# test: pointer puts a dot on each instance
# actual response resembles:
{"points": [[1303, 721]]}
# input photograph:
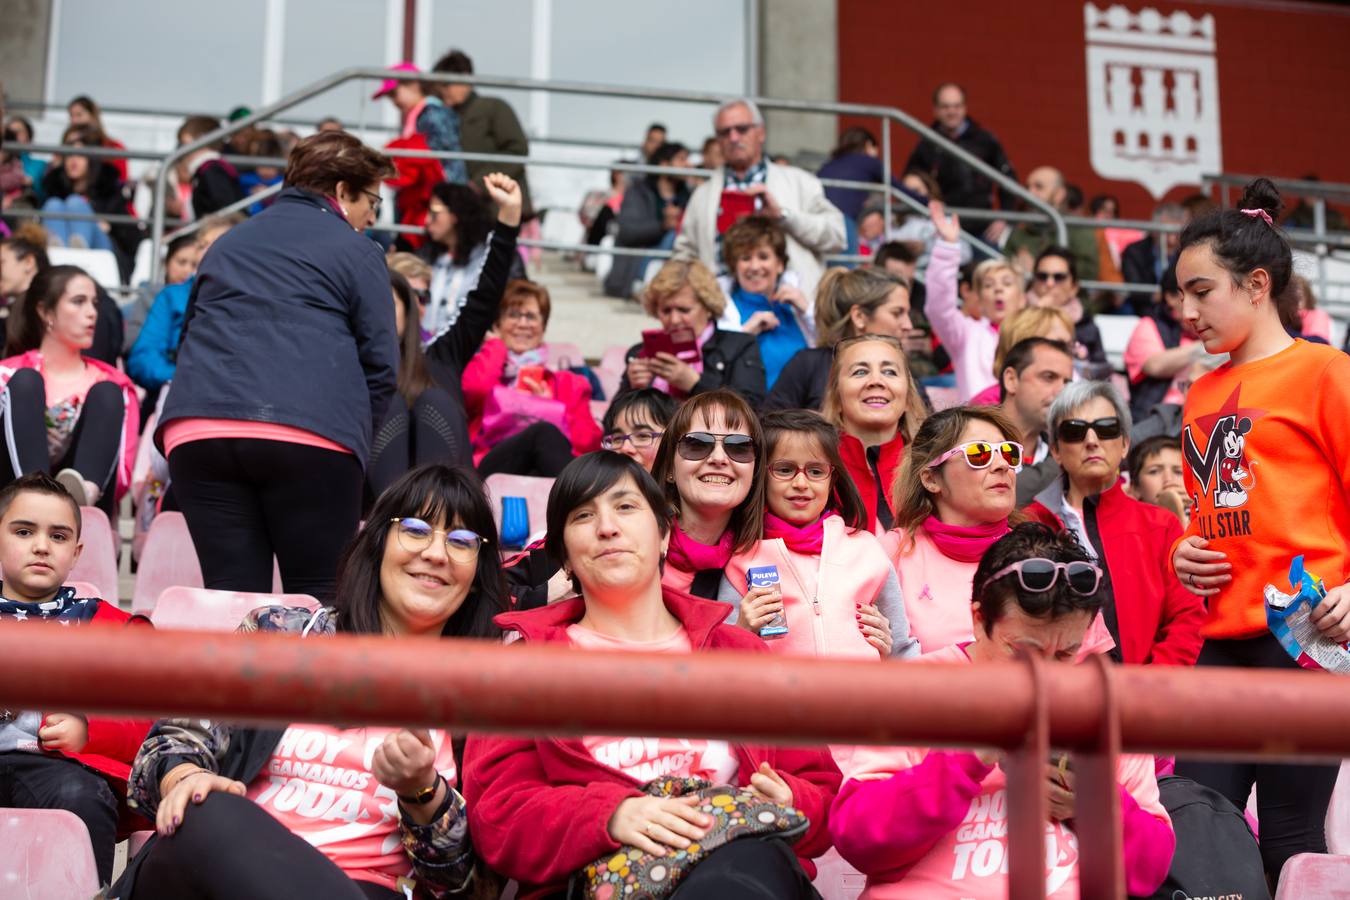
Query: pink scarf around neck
{"points": [[807, 539], [964, 544], [688, 555]]}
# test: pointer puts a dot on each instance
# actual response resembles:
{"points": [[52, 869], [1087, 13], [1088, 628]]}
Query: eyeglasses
{"points": [[1074, 431], [698, 445], [1056, 277], [415, 536], [375, 202], [782, 470], [980, 454], [638, 439], [522, 315], [737, 129], [1038, 575]]}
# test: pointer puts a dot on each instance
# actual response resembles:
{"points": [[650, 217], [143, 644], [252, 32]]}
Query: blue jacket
{"points": [[290, 321], [151, 360]]}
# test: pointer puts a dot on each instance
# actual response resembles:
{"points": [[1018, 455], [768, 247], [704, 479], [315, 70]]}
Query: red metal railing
{"points": [[1024, 708]]}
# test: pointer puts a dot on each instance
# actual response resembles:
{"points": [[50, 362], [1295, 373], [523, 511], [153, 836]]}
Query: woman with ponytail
{"points": [[1267, 446]]}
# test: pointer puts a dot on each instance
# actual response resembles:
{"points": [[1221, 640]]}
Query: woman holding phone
{"points": [[689, 354]]}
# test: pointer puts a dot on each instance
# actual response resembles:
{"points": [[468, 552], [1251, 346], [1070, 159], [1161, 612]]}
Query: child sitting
{"points": [[215, 183], [51, 759]]}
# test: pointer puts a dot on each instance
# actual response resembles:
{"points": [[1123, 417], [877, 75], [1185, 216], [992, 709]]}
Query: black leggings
{"points": [[1291, 800], [246, 499], [540, 450], [230, 847], [433, 429], [35, 781], [95, 444]]}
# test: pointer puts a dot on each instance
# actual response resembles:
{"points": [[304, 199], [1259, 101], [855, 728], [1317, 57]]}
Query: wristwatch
{"points": [[423, 796]]}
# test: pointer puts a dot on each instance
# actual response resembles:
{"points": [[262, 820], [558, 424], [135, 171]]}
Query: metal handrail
{"points": [[1328, 190], [886, 114]]}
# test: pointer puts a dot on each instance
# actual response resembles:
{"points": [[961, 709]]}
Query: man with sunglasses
{"points": [[749, 183], [1152, 617]]}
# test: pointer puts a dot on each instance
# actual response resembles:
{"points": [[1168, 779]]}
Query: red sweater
{"points": [[414, 180], [854, 455], [1159, 619], [539, 808]]}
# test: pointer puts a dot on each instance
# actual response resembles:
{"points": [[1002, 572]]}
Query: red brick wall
{"points": [[1283, 75]]}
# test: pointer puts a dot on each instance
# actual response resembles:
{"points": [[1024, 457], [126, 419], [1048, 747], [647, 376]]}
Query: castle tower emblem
{"points": [[1153, 96]]}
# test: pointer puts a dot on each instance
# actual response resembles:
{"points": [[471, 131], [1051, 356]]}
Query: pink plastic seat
{"points": [[534, 490], [943, 397], [598, 410], [836, 879], [98, 562], [564, 356], [1338, 814], [85, 589], [197, 609], [1319, 875], [167, 559], [610, 381], [614, 359], [136, 840], [45, 855]]}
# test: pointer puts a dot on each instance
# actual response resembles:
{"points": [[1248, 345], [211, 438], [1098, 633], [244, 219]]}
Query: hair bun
{"points": [[32, 232], [1262, 194]]}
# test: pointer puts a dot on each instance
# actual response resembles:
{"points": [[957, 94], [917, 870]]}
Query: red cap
{"points": [[390, 83]]}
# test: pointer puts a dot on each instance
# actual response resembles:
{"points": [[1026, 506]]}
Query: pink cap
{"points": [[390, 83]]}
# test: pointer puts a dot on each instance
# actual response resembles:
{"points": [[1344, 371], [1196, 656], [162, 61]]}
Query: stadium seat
{"points": [[100, 264], [564, 356], [98, 561], [1319, 875], [1338, 814], [943, 397], [1116, 331], [197, 609], [45, 855], [534, 490], [145, 261], [609, 381], [614, 359], [85, 589], [168, 559], [836, 879], [598, 410]]}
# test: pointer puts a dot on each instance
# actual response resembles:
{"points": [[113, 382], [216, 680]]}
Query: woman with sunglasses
{"points": [[819, 583], [1054, 285], [542, 809], [873, 400], [1154, 619], [711, 466], [527, 415], [922, 823], [314, 810], [954, 497]]}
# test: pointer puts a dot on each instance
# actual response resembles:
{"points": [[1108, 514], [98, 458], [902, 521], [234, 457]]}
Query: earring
{"points": [[345, 214]]}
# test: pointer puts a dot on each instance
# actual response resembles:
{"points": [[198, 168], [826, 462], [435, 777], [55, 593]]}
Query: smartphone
{"points": [[530, 374], [680, 344], [732, 207]]}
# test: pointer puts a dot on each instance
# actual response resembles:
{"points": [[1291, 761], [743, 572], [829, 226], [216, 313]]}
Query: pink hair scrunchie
{"points": [[1258, 214]]}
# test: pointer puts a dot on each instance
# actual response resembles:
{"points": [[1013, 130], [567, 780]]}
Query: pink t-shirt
{"points": [[185, 431], [971, 862], [1145, 341], [647, 758], [319, 785]]}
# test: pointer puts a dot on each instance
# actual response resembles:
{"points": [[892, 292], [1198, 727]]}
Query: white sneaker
{"points": [[74, 484], [78, 242]]}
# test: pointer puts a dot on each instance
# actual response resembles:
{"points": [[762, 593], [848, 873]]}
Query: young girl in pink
{"points": [[817, 567]]}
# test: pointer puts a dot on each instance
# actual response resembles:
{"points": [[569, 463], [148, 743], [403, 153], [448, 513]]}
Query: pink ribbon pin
{"points": [[1258, 214]]}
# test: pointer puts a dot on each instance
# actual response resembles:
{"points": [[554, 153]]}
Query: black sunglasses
{"points": [[738, 129], [1056, 277], [698, 445], [1074, 431]]}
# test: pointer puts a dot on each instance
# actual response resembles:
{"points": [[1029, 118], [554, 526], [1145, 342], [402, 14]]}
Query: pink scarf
{"points": [[807, 539], [964, 544], [688, 555]]}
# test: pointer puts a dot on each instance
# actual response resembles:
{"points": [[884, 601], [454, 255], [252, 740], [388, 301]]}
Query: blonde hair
{"points": [[989, 267], [675, 276], [1029, 322], [842, 289], [914, 413], [410, 266], [913, 503]]}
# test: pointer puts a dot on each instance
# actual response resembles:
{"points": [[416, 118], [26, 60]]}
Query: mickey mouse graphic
{"points": [[1231, 489], [1223, 470]]}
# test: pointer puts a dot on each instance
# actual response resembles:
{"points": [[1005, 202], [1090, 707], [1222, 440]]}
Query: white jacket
{"points": [[814, 226]]}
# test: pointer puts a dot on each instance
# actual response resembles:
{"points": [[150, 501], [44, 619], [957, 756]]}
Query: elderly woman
{"points": [[1154, 618], [905, 817], [544, 808], [711, 467], [685, 298], [525, 418], [849, 302], [873, 401], [248, 812], [953, 497]]}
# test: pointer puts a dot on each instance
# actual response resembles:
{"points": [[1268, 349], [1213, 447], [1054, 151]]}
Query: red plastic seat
{"points": [[534, 490], [1319, 875], [197, 609], [98, 561], [45, 855]]}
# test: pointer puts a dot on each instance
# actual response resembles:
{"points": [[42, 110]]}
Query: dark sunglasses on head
{"points": [[1074, 431], [1056, 277], [698, 445], [1038, 575]]}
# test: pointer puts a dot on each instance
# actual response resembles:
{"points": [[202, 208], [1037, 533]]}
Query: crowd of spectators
{"points": [[932, 442]]}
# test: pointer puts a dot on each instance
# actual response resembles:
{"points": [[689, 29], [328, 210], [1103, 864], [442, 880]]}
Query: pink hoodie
{"points": [[970, 342], [924, 824]]}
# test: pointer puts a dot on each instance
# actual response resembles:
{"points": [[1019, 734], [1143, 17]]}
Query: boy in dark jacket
{"points": [[215, 183], [51, 759]]}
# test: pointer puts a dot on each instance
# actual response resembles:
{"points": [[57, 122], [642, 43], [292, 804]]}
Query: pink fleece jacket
{"points": [[970, 342], [933, 824]]}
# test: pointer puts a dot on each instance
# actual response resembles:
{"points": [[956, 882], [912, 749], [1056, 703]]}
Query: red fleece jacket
{"points": [[539, 808]]}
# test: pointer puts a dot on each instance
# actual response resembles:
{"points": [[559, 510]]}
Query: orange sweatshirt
{"points": [[1267, 449]]}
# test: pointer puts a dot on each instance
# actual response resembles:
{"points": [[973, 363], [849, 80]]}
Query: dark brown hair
{"points": [[24, 330], [194, 127], [322, 160], [38, 483], [844, 496], [413, 376]]}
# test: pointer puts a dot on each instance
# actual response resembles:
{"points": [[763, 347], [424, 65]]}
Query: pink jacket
{"points": [[130, 423], [933, 824], [820, 594], [484, 372], [970, 342]]}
